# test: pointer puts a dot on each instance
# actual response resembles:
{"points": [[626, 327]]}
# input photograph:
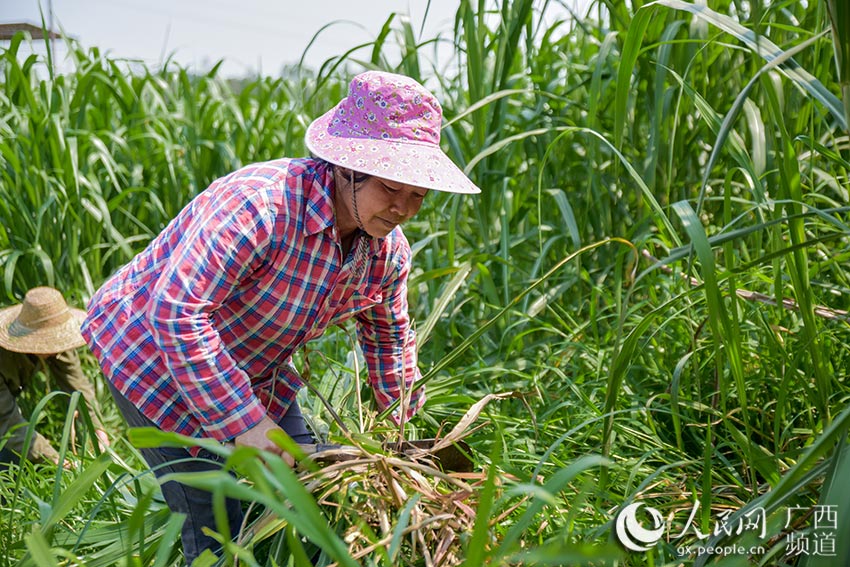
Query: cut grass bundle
{"points": [[403, 510]]}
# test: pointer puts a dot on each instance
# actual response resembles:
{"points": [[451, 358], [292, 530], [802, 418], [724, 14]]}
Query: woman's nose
{"points": [[400, 206]]}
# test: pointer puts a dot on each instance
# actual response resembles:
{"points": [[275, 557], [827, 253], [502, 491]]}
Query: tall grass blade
{"points": [[628, 58], [74, 493], [169, 541], [275, 486], [839, 17], [834, 510], [39, 550], [401, 526], [726, 128], [470, 340], [724, 326], [423, 332], [767, 50], [791, 188], [552, 487], [477, 547]]}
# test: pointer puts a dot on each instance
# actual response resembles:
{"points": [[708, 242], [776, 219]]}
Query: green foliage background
{"points": [[658, 262]]}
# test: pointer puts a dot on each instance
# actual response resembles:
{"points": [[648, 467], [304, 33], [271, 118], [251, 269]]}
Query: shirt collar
{"points": [[319, 207]]}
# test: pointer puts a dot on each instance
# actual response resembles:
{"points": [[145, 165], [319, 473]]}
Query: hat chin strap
{"points": [[354, 204]]}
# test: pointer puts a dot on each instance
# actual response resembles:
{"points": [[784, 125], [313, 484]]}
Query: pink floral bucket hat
{"points": [[388, 126]]}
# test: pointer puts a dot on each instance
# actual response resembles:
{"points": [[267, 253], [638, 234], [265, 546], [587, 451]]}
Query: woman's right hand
{"points": [[258, 438]]}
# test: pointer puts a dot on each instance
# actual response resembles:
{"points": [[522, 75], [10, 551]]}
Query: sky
{"points": [[252, 36]]}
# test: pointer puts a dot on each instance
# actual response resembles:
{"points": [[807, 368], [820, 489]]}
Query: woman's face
{"points": [[382, 204]]}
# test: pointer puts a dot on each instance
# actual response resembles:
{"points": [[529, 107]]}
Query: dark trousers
{"points": [[195, 503]]}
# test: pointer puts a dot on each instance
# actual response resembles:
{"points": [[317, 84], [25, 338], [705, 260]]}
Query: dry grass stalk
{"points": [[371, 494], [787, 302]]}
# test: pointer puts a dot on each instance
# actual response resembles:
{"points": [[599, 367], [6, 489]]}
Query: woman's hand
{"points": [[102, 439], [258, 437]]}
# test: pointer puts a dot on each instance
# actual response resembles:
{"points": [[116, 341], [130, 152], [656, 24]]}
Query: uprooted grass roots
{"points": [[372, 494]]}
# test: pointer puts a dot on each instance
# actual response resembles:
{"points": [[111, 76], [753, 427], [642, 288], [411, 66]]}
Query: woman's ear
{"points": [[342, 176], [343, 171]]}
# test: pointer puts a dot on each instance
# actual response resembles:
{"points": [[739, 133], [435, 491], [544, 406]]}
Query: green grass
{"points": [[656, 269]]}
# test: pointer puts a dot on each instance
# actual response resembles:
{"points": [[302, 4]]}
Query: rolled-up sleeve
{"points": [[221, 242], [66, 369], [389, 343]]}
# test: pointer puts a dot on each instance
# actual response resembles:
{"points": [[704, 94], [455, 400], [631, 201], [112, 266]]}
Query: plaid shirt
{"points": [[199, 329]]}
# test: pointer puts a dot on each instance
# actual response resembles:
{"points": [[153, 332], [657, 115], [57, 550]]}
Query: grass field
{"points": [[649, 298]]}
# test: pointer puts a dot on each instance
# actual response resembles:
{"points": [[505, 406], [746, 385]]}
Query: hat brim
{"points": [[413, 163], [50, 340]]}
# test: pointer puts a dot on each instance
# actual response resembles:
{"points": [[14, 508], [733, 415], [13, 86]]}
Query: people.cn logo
{"points": [[632, 534]]}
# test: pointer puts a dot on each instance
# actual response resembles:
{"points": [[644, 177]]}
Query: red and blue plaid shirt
{"points": [[199, 329]]}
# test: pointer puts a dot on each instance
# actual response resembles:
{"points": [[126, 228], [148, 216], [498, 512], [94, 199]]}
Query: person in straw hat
{"points": [[196, 334], [42, 333]]}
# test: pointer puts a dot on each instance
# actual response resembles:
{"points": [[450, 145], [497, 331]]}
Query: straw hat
{"points": [[43, 324], [388, 126]]}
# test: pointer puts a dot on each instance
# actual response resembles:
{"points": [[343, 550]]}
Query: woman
{"points": [[197, 332]]}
